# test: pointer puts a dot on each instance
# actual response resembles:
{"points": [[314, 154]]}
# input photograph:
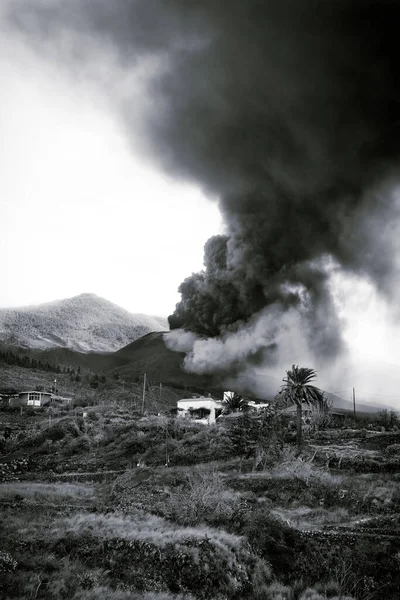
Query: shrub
{"points": [[7, 563], [311, 594], [202, 497], [277, 591], [77, 445], [275, 541], [392, 450], [53, 433], [106, 593], [150, 553], [88, 579]]}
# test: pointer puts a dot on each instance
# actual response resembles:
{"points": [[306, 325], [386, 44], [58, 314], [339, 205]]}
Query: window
{"points": [[33, 399]]}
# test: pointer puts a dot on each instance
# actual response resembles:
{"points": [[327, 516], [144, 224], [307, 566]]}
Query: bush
{"points": [[7, 563], [77, 445], [392, 450], [202, 498], [106, 593], [53, 433], [277, 591], [149, 553]]}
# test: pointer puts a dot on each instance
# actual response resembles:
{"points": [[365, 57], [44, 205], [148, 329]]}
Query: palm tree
{"points": [[298, 390], [234, 403]]}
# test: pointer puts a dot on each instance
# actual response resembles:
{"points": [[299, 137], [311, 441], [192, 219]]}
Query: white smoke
{"points": [[277, 332], [237, 357], [180, 340]]}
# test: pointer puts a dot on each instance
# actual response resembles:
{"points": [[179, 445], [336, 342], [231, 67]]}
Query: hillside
{"points": [[84, 323], [346, 406], [150, 355]]}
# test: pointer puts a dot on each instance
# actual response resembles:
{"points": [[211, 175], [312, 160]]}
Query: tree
{"points": [[94, 381], [388, 419], [234, 403], [298, 390]]}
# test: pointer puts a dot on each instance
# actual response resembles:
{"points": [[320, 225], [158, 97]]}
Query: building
{"points": [[31, 398], [257, 406], [202, 410]]}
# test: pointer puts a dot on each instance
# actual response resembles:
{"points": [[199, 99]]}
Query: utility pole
{"points": [[160, 390], [166, 446], [144, 392], [354, 403]]}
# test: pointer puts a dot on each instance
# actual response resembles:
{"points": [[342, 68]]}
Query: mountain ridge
{"points": [[83, 323]]}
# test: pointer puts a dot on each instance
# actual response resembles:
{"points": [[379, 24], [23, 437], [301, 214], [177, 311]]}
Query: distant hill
{"points": [[346, 405], [84, 323]]}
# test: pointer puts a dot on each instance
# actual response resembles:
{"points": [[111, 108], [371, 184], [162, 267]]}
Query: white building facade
{"points": [[202, 410]]}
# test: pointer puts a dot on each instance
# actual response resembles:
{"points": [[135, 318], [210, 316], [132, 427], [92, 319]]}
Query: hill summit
{"points": [[84, 323]]}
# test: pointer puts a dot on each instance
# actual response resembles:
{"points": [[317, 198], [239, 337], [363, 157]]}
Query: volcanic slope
{"points": [[150, 355], [84, 323]]}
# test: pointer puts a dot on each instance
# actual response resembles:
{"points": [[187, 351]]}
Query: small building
{"points": [[31, 398], [201, 410], [258, 406]]}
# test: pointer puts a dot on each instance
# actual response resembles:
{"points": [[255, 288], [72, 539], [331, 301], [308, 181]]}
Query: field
{"points": [[116, 505]]}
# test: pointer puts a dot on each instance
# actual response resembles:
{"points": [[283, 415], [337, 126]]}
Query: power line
{"points": [[347, 390], [384, 395]]}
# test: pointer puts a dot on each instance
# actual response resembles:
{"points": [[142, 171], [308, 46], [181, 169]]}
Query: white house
{"points": [[250, 404], [202, 410], [31, 398], [258, 407]]}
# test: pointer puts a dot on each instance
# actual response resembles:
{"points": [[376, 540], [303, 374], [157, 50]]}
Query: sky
{"points": [[119, 228], [84, 209]]}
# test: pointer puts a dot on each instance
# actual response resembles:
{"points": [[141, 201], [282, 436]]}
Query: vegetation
{"points": [[298, 390], [90, 510], [23, 360], [235, 403]]}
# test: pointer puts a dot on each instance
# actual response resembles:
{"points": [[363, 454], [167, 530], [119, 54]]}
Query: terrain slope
{"points": [[84, 323]]}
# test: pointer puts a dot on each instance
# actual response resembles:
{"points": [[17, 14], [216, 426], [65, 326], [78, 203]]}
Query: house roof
{"points": [[35, 392], [199, 401]]}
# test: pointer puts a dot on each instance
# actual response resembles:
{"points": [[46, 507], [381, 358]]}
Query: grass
{"points": [[153, 528], [140, 527], [305, 518], [105, 593], [46, 493]]}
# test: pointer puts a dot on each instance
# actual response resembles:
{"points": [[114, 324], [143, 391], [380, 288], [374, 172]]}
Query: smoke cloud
{"points": [[288, 113]]}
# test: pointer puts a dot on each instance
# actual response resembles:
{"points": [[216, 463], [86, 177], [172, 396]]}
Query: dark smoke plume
{"points": [[287, 111]]}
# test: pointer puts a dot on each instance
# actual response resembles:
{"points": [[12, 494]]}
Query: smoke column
{"points": [[285, 111]]}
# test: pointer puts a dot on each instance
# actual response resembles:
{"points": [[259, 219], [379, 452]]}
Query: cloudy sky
{"points": [[80, 211], [254, 127]]}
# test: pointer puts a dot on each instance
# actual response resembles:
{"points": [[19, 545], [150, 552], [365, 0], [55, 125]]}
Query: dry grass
{"points": [[204, 495], [305, 518], [140, 527], [47, 493], [105, 593]]}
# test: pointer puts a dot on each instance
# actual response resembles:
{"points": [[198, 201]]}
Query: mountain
{"points": [[84, 323], [346, 405], [150, 355]]}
